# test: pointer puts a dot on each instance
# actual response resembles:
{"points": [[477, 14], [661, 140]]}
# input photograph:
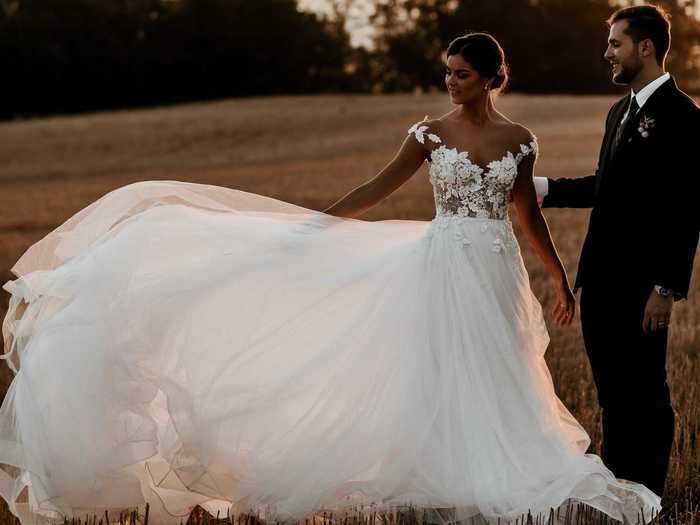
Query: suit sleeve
{"points": [[677, 241], [570, 193]]}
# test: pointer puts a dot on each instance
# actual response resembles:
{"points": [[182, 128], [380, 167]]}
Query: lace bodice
{"points": [[465, 189]]}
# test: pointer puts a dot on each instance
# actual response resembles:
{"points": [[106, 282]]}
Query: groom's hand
{"points": [[657, 314]]}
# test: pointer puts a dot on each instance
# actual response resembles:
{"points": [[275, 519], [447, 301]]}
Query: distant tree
{"points": [[79, 55], [684, 56], [551, 45]]}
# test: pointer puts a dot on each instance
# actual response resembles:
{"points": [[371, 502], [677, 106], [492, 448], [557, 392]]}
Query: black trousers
{"points": [[629, 370]]}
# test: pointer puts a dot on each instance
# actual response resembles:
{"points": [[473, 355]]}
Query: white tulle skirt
{"points": [[184, 344]]}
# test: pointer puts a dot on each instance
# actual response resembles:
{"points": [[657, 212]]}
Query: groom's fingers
{"points": [[657, 322]]}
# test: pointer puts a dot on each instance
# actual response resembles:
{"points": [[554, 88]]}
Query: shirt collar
{"points": [[649, 89]]}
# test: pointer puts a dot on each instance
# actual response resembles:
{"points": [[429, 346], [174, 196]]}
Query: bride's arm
{"points": [[370, 193], [535, 227]]}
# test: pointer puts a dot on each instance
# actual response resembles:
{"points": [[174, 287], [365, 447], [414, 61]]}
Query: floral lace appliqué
{"points": [[465, 189], [418, 131]]}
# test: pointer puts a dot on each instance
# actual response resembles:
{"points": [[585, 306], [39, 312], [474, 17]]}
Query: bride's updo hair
{"points": [[485, 54]]}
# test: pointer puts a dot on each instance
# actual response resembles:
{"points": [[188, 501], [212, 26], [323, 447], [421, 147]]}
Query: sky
{"points": [[358, 26], [358, 16]]}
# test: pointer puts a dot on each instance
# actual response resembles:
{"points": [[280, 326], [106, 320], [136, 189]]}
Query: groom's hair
{"points": [[647, 21]]}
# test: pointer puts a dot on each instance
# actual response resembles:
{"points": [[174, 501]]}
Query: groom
{"points": [[638, 254]]}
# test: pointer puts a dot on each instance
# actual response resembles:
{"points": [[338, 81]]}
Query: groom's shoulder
{"points": [[616, 107], [685, 102], [684, 112], [622, 101]]}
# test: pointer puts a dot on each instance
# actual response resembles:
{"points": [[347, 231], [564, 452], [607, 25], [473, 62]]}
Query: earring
{"points": [[486, 87]]}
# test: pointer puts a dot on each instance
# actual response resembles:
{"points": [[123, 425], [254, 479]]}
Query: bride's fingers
{"points": [[561, 319], [564, 313], [567, 315], [560, 313], [556, 311]]}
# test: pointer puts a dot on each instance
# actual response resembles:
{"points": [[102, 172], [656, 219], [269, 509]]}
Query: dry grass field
{"points": [[311, 150]]}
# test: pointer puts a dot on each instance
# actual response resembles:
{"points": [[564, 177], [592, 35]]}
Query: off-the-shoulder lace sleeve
{"points": [[526, 149], [420, 130]]}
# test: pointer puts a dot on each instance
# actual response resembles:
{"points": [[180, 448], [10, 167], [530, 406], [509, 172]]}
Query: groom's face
{"points": [[623, 54]]}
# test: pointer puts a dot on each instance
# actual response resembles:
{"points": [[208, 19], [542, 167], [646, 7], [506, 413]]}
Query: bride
{"points": [[182, 344]]}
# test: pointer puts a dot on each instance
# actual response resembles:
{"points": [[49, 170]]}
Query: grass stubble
{"points": [[311, 150]]}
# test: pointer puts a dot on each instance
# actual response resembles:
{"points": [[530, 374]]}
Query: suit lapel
{"points": [[619, 111], [651, 106], [610, 133]]}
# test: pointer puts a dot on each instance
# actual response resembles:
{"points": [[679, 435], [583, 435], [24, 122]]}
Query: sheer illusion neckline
{"points": [[524, 148], [420, 130]]}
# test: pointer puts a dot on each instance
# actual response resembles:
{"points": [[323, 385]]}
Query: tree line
{"points": [[60, 56]]}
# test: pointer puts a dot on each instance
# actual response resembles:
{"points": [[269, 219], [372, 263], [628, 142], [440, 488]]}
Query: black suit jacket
{"points": [[643, 228]]}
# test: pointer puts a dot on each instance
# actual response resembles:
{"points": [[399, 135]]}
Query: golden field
{"points": [[311, 150]]}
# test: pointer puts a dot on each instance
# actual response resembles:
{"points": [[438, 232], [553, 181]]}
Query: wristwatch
{"points": [[663, 292]]}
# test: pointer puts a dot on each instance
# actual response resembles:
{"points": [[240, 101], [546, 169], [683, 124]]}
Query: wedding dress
{"points": [[182, 344]]}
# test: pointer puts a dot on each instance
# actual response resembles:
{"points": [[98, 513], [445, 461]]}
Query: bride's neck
{"points": [[478, 112]]}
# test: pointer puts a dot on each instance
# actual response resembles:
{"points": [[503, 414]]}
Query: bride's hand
{"points": [[318, 221], [566, 303]]}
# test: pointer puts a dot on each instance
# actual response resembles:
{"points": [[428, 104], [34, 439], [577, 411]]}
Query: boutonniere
{"points": [[645, 125]]}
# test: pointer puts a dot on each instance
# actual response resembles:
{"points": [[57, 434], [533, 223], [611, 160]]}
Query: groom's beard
{"points": [[627, 73]]}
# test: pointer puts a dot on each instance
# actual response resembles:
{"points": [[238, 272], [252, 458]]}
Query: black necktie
{"points": [[631, 113]]}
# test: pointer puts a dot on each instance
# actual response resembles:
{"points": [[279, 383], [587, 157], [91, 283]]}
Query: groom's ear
{"points": [[646, 48]]}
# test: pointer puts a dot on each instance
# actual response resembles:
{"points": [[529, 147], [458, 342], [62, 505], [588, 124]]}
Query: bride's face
{"points": [[464, 83]]}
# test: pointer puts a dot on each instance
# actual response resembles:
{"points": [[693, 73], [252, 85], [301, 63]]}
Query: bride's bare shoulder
{"points": [[432, 123], [437, 126], [429, 128], [519, 134]]}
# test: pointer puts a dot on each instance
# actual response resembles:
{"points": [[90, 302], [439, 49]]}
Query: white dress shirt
{"points": [[645, 93], [542, 184]]}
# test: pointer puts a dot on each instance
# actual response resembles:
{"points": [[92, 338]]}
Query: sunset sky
{"points": [[360, 32]]}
